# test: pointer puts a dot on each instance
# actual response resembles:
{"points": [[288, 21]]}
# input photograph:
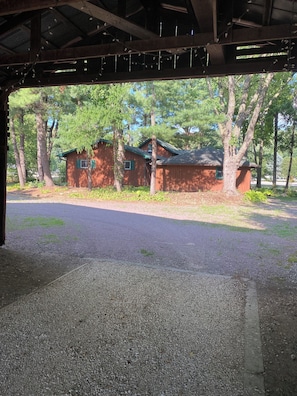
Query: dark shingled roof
{"points": [[207, 156], [134, 150], [138, 151], [167, 146]]}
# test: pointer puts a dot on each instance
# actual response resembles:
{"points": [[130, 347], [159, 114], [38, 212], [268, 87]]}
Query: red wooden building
{"points": [[199, 170], [177, 170], [136, 165]]}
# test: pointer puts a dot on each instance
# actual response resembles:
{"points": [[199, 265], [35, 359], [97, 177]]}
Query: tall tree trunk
{"points": [[39, 162], [119, 156], [274, 172], [260, 164], [154, 146], [153, 166], [51, 135], [16, 153], [229, 173], [230, 130], [22, 148], [42, 149], [291, 156]]}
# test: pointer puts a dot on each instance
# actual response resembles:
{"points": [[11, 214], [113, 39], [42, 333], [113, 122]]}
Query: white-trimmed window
{"points": [[129, 165], [83, 164]]}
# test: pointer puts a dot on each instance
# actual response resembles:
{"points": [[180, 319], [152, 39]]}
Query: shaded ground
{"points": [[112, 328], [259, 243]]}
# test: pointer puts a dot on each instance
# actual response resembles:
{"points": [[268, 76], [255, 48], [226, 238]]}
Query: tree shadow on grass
{"points": [[37, 255]]}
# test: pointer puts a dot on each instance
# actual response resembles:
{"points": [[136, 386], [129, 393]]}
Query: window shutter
{"points": [[93, 164], [132, 164], [219, 173], [78, 164]]}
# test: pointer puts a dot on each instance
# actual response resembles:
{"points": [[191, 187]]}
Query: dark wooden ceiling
{"points": [[53, 42]]}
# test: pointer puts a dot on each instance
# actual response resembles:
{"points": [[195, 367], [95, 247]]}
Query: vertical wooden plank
{"points": [[3, 164], [35, 38]]}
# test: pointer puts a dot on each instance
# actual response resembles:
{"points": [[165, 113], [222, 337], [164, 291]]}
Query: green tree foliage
{"points": [[113, 102], [80, 130], [179, 112], [101, 112], [35, 114], [285, 166], [242, 98], [278, 100], [189, 114], [22, 138]]}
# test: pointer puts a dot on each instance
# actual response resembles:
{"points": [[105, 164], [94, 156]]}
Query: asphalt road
{"points": [[105, 233], [46, 240]]}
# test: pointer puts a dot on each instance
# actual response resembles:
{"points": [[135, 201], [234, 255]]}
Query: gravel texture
{"points": [[225, 238], [115, 329]]}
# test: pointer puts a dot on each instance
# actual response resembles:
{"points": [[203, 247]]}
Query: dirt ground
{"points": [[180, 198], [277, 298]]}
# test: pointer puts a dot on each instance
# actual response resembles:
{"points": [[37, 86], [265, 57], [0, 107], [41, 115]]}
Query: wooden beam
{"points": [[216, 54], [203, 11], [261, 34], [7, 50], [14, 22], [35, 36], [206, 16], [237, 37], [8, 7], [45, 42], [268, 5], [215, 19], [114, 20], [105, 50], [263, 66]]}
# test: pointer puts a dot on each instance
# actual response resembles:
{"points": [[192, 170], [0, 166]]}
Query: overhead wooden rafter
{"points": [[88, 36], [9, 7], [206, 15], [114, 20], [243, 36], [268, 6]]}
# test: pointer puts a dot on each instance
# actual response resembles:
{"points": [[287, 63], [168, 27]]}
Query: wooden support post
{"points": [[3, 163]]}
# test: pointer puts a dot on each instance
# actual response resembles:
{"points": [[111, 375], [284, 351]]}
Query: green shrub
{"points": [[259, 195], [36, 184], [129, 193], [13, 186], [291, 193]]}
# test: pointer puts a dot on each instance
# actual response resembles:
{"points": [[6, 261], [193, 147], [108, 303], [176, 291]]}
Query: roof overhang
{"points": [[59, 42]]}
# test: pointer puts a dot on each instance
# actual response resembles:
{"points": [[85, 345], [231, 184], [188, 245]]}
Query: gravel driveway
{"points": [[258, 244]]}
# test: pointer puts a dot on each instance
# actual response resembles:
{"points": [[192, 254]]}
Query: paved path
{"points": [[112, 328]]}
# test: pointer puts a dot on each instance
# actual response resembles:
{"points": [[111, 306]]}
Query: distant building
{"points": [[177, 170]]}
